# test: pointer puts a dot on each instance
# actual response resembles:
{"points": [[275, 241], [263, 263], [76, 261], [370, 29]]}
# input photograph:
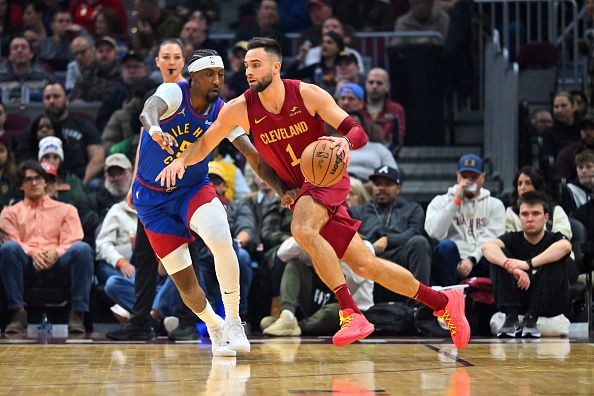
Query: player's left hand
{"points": [[165, 140], [171, 172], [288, 198], [343, 147]]}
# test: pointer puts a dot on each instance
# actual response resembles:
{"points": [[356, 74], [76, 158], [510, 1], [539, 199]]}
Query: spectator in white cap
{"points": [[50, 145], [67, 187], [117, 180]]}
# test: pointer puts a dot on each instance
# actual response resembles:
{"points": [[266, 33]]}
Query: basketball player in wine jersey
{"points": [[284, 116], [175, 117]]}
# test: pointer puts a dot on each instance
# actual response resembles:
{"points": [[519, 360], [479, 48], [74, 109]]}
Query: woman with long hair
{"points": [[8, 174], [528, 179], [41, 127]]}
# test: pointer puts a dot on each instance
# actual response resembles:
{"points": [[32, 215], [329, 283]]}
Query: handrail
{"points": [[374, 50]]}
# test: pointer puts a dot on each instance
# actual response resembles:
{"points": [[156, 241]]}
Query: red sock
{"points": [[345, 299], [432, 298]]}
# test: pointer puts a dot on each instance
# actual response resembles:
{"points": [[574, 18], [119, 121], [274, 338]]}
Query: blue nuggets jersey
{"points": [[186, 126]]}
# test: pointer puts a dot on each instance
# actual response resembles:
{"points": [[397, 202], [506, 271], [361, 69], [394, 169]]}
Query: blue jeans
{"points": [[104, 271], [445, 266], [121, 290], [74, 268]]}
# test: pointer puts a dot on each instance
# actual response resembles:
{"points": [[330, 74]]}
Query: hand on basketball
{"points": [[171, 172], [343, 147], [165, 140], [522, 278]]}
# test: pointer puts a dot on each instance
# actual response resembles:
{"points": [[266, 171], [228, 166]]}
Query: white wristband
{"points": [[154, 128]]}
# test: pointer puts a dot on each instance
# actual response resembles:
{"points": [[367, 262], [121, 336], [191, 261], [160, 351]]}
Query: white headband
{"points": [[205, 63]]}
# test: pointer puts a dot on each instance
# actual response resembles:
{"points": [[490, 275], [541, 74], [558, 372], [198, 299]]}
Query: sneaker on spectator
{"points": [[285, 326], [135, 329], [170, 323], [511, 327], [75, 322], [267, 321], [120, 313], [353, 327], [235, 335], [529, 327], [18, 324], [185, 331]]}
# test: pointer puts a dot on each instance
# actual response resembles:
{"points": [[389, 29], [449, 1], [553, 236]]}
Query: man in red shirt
{"points": [[383, 111]]}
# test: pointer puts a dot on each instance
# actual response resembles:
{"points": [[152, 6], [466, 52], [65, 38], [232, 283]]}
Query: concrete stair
{"points": [[430, 171]]}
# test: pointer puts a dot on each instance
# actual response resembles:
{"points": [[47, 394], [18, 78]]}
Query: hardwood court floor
{"points": [[309, 367]]}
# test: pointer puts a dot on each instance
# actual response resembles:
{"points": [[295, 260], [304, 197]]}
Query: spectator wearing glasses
{"points": [[83, 51], [102, 76], [44, 245]]}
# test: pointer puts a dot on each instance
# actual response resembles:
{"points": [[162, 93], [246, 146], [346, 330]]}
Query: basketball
{"points": [[321, 165]]}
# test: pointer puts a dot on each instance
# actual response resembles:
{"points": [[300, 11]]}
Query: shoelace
{"points": [[217, 338], [446, 317], [345, 321], [237, 330]]}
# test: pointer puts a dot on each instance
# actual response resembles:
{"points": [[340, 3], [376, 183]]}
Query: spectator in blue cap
{"points": [[350, 97], [462, 221]]}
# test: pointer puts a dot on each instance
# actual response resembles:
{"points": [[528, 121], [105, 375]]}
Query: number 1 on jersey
{"points": [[294, 160]]}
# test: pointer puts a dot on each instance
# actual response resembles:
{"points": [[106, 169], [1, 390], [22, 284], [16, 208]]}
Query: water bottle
{"points": [[25, 93], [5, 93], [45, 326]]}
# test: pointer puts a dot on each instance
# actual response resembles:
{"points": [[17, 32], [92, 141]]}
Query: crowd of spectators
{"points": [[64, 177]]}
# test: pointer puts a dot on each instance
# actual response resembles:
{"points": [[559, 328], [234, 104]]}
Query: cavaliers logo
{"points": [[294, 111]]}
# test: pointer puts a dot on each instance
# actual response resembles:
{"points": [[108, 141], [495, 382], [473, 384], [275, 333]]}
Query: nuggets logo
{"points": [[294, 111]]}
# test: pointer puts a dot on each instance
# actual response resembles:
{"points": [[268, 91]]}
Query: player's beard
{"points": [[212, 97], [263, 84]]}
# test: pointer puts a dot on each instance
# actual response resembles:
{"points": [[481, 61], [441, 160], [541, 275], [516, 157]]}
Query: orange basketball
{"points": [[320, 165]]}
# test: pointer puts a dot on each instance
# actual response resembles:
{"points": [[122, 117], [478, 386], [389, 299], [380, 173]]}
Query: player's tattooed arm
{"points": [[153, 109], [265, 171]]}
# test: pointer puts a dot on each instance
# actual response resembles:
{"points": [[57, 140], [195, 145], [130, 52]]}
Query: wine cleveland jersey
{"points": [[281, 138]]}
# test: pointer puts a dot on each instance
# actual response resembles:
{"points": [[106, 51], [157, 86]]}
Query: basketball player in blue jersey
{"points": [[175, 117]]}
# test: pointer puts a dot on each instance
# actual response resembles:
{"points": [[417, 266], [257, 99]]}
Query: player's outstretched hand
{"points": [[165, 140], [171, 172], [343, 147]]}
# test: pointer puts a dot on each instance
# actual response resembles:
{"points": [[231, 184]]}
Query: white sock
{"points": [[231, 303], [210, 222], [210, 318], [289, 313]]}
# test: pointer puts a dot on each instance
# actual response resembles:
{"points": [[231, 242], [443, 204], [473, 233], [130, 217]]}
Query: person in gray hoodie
{"points": [[462, 221]]}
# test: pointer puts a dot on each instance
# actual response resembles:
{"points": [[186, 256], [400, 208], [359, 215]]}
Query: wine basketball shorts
{"points": [[340, 228]]}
